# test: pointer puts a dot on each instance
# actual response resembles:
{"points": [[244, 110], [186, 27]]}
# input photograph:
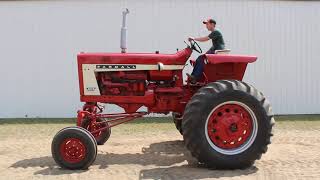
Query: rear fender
{"points": [[225, 66]]}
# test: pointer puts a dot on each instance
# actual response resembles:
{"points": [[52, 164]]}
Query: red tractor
{"points": [[225, 123]]}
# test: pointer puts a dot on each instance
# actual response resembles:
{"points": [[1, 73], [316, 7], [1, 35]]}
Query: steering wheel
{"points": [[195, 46]]}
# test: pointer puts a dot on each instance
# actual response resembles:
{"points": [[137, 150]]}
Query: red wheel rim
{"points": [[72, 150], [230, 126]]}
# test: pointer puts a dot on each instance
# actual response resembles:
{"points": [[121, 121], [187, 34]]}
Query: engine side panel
{"points": [[91, 75]]}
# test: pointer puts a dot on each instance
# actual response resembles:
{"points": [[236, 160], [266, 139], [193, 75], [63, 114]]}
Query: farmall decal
{"points": [[116, 66]]}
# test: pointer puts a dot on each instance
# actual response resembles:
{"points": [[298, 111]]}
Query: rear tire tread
{"points": [[193, 113]]}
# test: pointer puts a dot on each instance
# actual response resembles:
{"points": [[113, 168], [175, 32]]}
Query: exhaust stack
{"points": [[123, 39]]}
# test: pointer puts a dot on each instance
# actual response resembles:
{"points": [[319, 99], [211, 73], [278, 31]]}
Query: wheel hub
{"points": [[229, 126], [233, 127], [72, 150]]}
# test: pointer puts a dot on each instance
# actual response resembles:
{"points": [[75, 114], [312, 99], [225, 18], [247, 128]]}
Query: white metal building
{"points": [[39, 41]]}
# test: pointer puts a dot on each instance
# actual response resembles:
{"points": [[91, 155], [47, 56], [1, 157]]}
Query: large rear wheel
{"points": [[227, 124]]}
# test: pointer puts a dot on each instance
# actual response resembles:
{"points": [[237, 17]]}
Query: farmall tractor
{"points": [[225, 122]]}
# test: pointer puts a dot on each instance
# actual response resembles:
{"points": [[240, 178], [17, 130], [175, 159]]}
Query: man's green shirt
{"points": [[217, 40]]}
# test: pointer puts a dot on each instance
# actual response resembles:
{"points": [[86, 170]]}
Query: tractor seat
{"points": [[223, 51]]}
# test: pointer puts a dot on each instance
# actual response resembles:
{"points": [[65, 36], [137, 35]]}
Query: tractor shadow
{"points": [[188, 172], [159, 154], [180, 164]]}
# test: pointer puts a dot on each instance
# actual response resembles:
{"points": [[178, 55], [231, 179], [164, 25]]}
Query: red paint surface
{"points": [[229, 58], [178, 58], [225, 66], [164, 91]]}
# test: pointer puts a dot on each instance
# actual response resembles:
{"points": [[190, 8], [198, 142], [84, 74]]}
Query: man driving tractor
{"points": [[217, 44]]}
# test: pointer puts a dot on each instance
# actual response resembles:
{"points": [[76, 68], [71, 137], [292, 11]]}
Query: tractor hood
{"points": [[178, 58]]}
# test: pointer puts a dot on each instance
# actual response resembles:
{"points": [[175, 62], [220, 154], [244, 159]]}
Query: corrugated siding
{"points": [[40, 40]]}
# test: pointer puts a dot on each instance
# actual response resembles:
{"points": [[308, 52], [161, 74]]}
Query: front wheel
{"points": [[227, 124], [177, 120], [74, 148]]}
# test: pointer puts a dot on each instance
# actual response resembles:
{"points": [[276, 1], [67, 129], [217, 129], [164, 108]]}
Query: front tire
{"points": [[177, 120], [74, 148], [227, 125]]}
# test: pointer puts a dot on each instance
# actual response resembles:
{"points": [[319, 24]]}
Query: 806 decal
{"points": [[91, 88]]}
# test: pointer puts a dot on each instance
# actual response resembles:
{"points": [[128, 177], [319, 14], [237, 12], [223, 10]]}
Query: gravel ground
{"points": [[155, 151]]}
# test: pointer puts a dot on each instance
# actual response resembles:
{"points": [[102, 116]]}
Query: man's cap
{"points": [[211, 21]]}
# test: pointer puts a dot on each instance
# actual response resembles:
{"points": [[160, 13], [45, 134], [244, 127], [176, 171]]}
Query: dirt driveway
{"points": [[155, 151]]}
